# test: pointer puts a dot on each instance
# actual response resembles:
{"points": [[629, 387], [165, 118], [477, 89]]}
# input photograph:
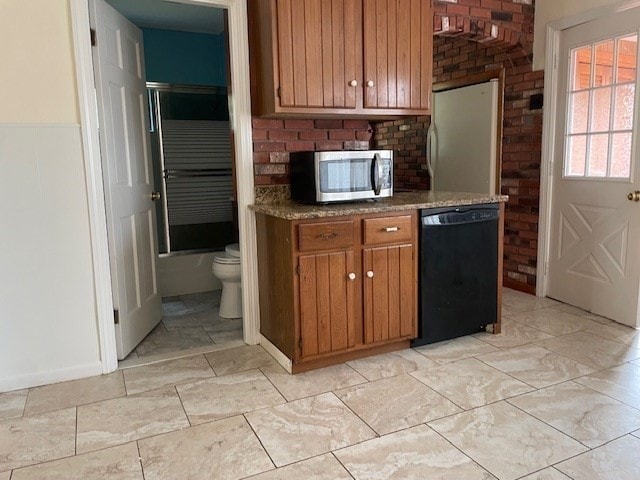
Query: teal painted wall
{"points": [[182, 57]]}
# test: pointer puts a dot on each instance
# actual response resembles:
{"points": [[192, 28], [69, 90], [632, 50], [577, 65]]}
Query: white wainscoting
{"points": [[48, 321], [184, 274]]}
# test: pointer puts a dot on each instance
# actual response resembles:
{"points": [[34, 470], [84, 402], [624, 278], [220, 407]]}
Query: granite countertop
{"points": [[412, 200]]}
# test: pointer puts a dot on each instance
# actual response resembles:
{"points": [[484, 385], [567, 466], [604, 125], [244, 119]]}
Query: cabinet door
{"points": [[398, 48], [327, 302], [389, 293], [319, 52]]}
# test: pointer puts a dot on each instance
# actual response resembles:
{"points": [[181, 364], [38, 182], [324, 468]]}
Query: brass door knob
{"points": [[634, 196], [155, 196], [353, 83], [370, 274], [370, 83], [352, 276]]}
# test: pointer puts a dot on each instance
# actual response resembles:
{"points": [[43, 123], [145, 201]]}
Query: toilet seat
{"points": [[233, 250], [225, 259]]}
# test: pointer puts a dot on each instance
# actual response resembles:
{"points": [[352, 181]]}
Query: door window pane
{"points": [[603, 74], [601, 109], [623, 118], [581, 60], [579, 112], [598, 153], [627, 59], [621, 155], [576, 155]]}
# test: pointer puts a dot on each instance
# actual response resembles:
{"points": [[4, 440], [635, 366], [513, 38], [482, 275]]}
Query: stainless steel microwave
{"points": [[341, 176]]}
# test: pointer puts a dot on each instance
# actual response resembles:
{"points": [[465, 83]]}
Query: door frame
{"points": [[554, 31], [240, 117]]}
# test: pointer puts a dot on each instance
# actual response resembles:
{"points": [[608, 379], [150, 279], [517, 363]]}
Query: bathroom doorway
{"points": [[192, 172]]}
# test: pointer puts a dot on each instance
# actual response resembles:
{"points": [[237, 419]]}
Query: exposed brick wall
{"points": [[465, 52], [406, 137], [274, 139]]}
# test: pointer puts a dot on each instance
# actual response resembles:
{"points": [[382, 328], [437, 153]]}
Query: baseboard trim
{"points": [[52, 376], [521, 287], [280, 357]]}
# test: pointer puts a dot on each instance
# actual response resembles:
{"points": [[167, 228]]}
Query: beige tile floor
{"points": [[189, 323], [555, 397]]}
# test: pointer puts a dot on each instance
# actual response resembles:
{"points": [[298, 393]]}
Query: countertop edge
{"points": [[402, 201]]}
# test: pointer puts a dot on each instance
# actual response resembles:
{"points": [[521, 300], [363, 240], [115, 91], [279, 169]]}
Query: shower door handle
{"points": [[155, 196]]}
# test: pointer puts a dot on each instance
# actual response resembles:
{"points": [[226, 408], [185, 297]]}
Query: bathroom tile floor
{"points": [[552, 398], [190, 324]]}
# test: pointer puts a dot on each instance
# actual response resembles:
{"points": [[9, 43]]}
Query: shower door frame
{"points": [[156, 116], [240, 120]]}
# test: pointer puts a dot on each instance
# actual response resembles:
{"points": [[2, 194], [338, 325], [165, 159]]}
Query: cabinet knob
{"points": [[370, 274], [352, 276], [353, 83], [370, 83]]}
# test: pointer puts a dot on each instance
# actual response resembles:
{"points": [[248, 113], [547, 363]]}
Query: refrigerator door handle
{"points": [[432, 139]]}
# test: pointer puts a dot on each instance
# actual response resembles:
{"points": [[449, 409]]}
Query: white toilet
{"points": [[226, 267]]}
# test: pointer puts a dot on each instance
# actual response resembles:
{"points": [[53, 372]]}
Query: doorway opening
{"points": [[167, 70]]}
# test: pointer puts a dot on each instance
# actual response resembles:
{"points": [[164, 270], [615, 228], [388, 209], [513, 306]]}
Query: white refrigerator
{"points": [[462, 146]]}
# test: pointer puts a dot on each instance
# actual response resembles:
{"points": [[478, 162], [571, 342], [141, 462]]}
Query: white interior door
{"points": [[464, 147], [594, 258], [128, 180]]}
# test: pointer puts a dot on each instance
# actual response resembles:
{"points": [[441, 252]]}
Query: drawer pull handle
{"points": [[352, 276], [370, 274], [328, 236], [391, 229]]}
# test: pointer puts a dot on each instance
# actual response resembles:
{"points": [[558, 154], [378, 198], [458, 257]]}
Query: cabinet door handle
{"points": [[391, 229], [328, 236], [352, 276], [370, 274], [370, 83], [353, 83]]}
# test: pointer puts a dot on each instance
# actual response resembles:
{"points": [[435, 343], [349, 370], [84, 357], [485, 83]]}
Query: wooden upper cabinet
{"points": [[315, 57], [398, 54], [318, 48]]}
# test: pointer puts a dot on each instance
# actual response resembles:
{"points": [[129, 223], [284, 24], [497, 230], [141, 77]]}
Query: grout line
{"points": [[175, 388], [332, 453], [244, 416], [75, 436], [458, 449], [140, 459]]}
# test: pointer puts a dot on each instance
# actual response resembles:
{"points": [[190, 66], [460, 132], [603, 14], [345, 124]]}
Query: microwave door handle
{"points": [[377, 174]]}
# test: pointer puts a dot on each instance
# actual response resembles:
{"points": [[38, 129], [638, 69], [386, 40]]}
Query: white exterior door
{"points": [[128, 180], [594, 258]]}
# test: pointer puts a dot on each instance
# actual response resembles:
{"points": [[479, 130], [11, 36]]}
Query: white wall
{"points": [[549, 10], [183, 274], [47, 302], [48, 324]]}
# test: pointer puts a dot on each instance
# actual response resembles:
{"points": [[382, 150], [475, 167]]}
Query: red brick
{"points": [[328, 124], [286, 135], [342, 134], [313, 134], [357, 124], [296, 124], [263, 123], [329, 145], [299, 146]]}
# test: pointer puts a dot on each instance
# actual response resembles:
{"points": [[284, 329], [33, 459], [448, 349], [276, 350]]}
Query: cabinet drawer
{"points": [[387, 230], [325, 236]]}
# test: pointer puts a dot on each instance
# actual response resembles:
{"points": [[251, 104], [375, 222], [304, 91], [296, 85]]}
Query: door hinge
{"points": [[300, 344], [279, 91], [92, 33], [298, 269], [116, 316]]}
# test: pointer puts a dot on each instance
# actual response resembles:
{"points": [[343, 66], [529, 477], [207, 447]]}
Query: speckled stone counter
{"points": [[413, 200]]}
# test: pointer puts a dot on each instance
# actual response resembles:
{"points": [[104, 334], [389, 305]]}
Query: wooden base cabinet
{"points": [[339, 288], [358, 58]]}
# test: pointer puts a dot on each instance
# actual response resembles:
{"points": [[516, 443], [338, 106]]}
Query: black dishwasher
{"points": [[458, 271]]}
